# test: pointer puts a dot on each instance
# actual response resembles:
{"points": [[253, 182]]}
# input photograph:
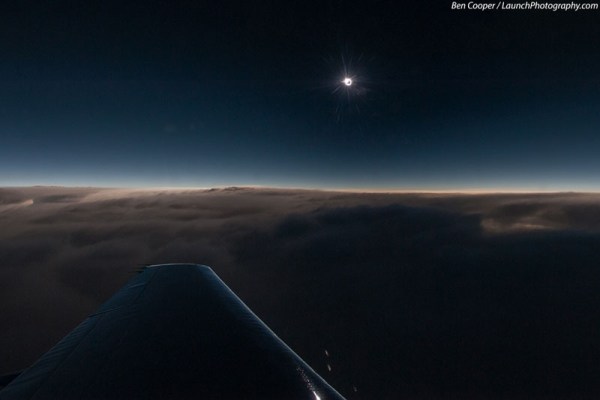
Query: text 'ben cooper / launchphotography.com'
{"points": [[523, 6]]}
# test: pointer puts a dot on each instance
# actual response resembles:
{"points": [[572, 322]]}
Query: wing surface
{"points": [[174, 331]]}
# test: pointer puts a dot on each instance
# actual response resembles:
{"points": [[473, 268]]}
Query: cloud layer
{"points": [[417, 295]]}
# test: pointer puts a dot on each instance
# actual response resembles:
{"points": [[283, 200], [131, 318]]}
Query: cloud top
{"points": [[424, 295]]}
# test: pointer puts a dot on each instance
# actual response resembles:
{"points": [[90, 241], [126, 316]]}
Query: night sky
{"points": [[459, 262], [249, 93]]}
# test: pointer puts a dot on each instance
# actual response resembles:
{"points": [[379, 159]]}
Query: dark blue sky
{"points": [[237, 93]]}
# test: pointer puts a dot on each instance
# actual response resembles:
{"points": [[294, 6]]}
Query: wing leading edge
{"points": [[174, 331]]}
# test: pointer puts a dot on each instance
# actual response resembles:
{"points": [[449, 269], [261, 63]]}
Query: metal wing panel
{"points": [[174, 331]]}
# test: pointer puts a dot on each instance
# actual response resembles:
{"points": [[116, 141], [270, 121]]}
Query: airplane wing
{"points": [[174, 331]]}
